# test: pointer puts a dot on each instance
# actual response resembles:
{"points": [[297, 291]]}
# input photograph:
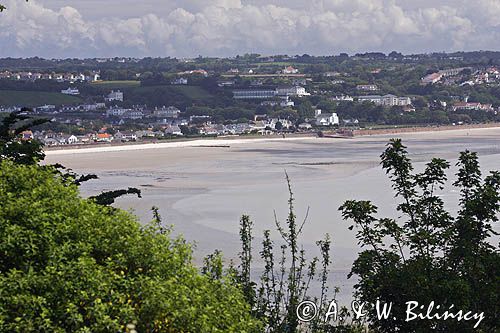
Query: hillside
{"points": [[35, 98], [122, 84], [180, 96]]}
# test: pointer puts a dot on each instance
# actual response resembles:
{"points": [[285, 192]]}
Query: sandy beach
{"points": [[202, 187]]}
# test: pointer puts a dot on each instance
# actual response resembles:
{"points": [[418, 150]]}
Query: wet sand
{"points": [[203, 191]]}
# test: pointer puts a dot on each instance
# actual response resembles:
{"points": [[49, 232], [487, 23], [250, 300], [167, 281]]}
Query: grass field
{"points": [[116, 84], [35, 98], [192, 92]]}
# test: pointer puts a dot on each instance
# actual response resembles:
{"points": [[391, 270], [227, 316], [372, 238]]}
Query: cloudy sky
{"points": [[187, 28]]}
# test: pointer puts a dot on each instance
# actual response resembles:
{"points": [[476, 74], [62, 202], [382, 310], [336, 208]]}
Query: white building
{"points": [[170, 112], [286, 102], [305, 126], [471, 106], [180, 81], [342, 98], [326, 119], [114, 96], [45, 108], [292, 91], [68, 140], [285, 123], [104, 137], [133, 114], [116, 112], [125, 136], [173, 130], [93, 77], [290, 70], [367, 87], [92, 107], [386, 100], [432, 78], [70, 91]]}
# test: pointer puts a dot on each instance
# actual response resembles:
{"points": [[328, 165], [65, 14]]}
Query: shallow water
{"points": [[204, 191]]}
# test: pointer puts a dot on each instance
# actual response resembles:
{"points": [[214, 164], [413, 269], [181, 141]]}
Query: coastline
{"points": [[197, 143], [225, 142], [421, 129]]}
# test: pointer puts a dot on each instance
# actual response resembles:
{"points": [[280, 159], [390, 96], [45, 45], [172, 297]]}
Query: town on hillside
{"points": [[92, 101]]}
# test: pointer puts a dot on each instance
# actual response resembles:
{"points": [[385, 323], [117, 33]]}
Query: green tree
{"points": [[287, 276], [70, 265], [430, 255], [29, 151], [20, 150]]}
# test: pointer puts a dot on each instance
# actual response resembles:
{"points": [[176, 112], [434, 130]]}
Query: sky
{"points": [[189, 28]]}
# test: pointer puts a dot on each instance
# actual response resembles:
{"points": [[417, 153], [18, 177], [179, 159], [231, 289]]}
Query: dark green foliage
{"points": [[108, 198], [39, 95], [287, 277], [12, 146], [72, 177], [213, 266], [30, 152], [189, 131], [428, 255], [70, 265], [247, 285]]}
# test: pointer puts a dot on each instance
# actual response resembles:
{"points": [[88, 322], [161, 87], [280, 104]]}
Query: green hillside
{"points": [[116, 84], [35, 98], [180, 96], [190, 92]]}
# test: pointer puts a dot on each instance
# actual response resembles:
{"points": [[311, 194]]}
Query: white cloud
{"points": [[228, 27]]}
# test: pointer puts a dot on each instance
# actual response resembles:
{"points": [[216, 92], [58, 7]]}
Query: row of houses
{"points": [[59, 77], [490, 75], [262, 126], [472, 106], [367, 87], [392, 100], [433, 78], [386, 100], [113, 96], [74, 108], [57, 139], [201, 72], [137, 112], [140, 112]]}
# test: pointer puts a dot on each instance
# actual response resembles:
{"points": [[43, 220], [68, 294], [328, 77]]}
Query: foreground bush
{"points": [[70, 265], [430, 254]]}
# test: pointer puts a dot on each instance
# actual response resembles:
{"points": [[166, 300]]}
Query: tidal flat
{"points": [[203, 190]]}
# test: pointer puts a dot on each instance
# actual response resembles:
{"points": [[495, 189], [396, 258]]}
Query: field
{"points": [[134, 87], [116, 84], [35, 98], [191, 92]]}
